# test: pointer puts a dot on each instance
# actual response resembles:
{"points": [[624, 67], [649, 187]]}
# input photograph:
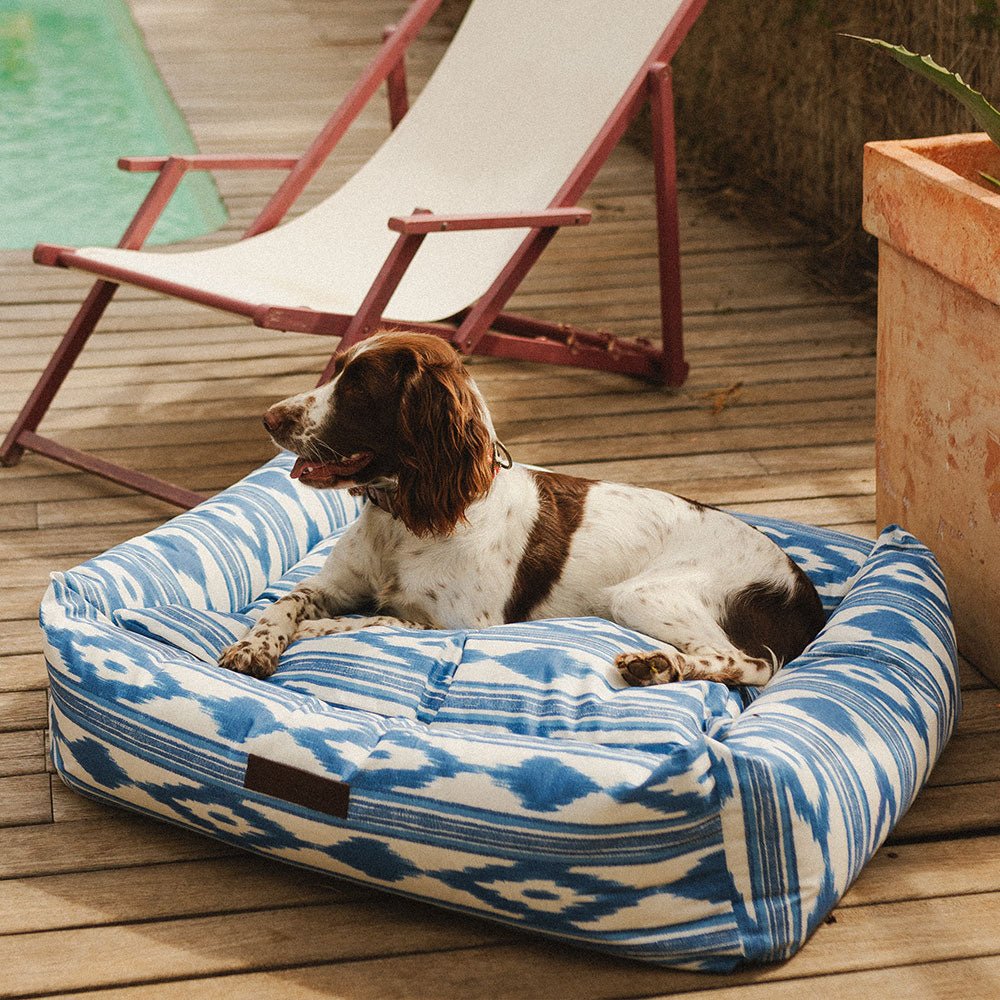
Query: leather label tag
{"points": [[282, 781]]}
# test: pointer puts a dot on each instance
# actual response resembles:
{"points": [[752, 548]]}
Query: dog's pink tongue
{"points": [[305, 468]]}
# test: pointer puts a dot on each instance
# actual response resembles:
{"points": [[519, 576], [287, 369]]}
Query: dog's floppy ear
{"points": [[446, 448]]}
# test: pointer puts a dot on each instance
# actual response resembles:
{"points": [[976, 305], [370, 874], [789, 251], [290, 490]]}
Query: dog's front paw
{"points": [[643, 669], [254, 656]]}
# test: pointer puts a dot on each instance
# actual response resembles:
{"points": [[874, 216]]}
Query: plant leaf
{"points": [[985, 114]]}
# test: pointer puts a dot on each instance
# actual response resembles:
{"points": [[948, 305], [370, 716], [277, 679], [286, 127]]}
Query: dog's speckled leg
{"points": [[334, 626]]}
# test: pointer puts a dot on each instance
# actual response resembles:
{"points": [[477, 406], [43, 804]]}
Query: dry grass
{"points": [[791, 103]]}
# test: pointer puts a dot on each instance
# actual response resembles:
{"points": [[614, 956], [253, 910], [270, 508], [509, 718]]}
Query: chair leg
{"points": [[57, 369], [661, 99]]}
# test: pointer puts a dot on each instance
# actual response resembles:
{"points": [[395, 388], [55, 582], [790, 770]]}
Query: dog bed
{"points": [[505, 772]]}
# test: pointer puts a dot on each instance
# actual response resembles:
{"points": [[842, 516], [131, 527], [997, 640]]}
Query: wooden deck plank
{"points": [[68, 806], [22, 752], [117, 840], [200, 361], [24, 799], [951, 810], [971, 677], [161, 891], [22, 710], [168, 326], [23, 672], [958, 979], [523, 382], [928, 869], [907, 933], [49, 961], [628, 418], [967, 759], [802, 435], [980, 711]]}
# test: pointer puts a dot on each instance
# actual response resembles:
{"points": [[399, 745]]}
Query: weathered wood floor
{"points": [[776, 417]]}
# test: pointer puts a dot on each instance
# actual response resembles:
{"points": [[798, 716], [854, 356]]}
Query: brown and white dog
{"points": [[454, 537]]}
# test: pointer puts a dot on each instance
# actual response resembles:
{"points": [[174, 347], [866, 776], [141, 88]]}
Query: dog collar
{"points": [[501, 457]]}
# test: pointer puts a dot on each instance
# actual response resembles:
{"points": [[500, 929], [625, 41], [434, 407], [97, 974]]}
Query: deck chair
{"points": [[523, 109]]}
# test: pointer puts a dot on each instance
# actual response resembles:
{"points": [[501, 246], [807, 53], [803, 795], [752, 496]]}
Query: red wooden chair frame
{"points": [[484, 328]]}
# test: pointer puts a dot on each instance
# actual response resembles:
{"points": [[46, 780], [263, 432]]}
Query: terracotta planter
{"points": [[938, 396]]}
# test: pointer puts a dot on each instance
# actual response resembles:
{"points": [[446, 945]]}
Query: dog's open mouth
{"points": [[314, 473]]}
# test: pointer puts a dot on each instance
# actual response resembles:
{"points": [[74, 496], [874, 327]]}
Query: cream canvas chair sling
{"points": [[478, 175]]}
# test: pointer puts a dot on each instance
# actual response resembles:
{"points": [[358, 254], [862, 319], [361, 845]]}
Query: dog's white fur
{"points": [[651, 561]]}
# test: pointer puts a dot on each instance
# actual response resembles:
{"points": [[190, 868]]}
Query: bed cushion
{"points": [[506, 772]]}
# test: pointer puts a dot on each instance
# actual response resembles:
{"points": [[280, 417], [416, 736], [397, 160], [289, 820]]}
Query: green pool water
{"points": [[77, 90]]}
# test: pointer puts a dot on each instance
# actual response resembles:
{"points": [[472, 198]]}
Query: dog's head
{"points": [[400, 413]]}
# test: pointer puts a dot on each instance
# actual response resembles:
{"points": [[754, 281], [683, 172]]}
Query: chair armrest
{"points": [[208, 161], [427, 222]]}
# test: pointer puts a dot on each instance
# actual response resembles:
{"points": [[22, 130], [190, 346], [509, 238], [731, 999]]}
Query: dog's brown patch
{"points": [[561, 501], [760, 619]]}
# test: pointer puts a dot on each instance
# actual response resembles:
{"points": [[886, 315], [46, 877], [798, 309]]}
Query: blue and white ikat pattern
{"points": [[507, 772]]}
